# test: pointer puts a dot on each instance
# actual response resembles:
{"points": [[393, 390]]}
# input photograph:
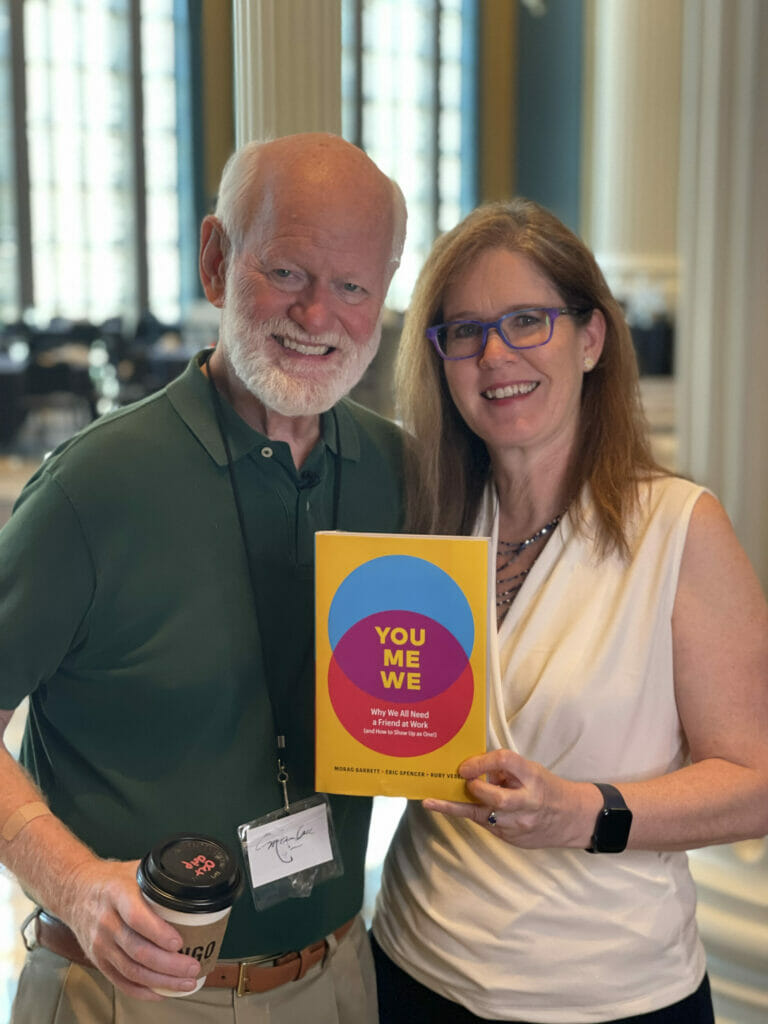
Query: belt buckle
{"points": [[242, 988]]}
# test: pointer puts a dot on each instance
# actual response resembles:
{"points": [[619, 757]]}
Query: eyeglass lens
{"points": [[524, 328]]}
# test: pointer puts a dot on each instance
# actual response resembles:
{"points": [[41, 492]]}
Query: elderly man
{"points": [[156, 606]]}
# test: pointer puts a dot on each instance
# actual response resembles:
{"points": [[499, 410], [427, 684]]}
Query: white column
{"points": [[732, 885], [638, 214], [723, 329], [722, 349], [631, 153], [287, 67]]}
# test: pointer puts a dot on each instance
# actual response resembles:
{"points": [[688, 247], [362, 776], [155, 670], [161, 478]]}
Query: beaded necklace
{"points": [[509, 551]]}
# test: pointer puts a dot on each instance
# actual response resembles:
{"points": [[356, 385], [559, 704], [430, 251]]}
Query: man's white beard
{"points": [[279, 384]]}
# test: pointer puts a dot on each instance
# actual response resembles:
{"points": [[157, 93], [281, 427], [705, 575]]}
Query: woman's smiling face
{"points": [[511, 398]]}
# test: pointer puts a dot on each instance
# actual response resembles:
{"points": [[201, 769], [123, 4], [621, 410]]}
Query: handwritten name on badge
{"points": [[288, 845]]}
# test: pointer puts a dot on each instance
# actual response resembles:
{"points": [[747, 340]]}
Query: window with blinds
{"points": [[92, 213], [409, 100]]}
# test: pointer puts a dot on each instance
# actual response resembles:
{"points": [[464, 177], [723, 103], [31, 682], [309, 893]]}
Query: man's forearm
{"points": [[43, 854]]}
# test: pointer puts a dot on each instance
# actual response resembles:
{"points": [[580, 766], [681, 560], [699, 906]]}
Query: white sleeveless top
{"points": [[580, 681]]}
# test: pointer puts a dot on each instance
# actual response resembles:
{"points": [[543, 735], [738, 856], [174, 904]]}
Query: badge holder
{"points": [[290, 850]]}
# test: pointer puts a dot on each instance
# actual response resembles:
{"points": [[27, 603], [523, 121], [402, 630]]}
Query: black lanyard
{"points": [[282, 775]]}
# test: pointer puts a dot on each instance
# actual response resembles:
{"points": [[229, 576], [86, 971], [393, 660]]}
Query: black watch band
{"points": [[613, 822]]}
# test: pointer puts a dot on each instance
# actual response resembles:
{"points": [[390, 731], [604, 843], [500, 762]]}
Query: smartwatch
{"points": [[613, 822]]}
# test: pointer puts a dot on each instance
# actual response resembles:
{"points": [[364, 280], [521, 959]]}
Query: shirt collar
{"points": [[340, 431], [190, 396]]}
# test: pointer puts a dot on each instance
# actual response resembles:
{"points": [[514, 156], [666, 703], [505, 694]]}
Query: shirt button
{"points": [[266, 451]]}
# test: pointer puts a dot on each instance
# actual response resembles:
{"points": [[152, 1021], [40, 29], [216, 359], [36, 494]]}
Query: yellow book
{"points": [[401, 652]]}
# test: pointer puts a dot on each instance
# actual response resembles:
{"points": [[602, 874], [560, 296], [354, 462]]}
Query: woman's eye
{"points": [[468, 330], [522, 320]]}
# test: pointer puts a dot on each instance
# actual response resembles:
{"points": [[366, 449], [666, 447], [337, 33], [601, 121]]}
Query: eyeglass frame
{"points": [[553, 312]]}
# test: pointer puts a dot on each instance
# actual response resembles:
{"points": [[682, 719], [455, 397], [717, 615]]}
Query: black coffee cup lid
{"points": [[190, 873]]}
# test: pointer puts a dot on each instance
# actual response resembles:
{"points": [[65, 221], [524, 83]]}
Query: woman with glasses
{"points": [[628, 715]]}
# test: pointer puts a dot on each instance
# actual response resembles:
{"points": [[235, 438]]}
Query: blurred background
{"points": [[641, 123]]}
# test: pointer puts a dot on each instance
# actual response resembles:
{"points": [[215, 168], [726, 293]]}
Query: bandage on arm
{"points": [[21, 817]]}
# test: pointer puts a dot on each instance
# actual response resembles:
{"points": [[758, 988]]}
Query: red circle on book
{"points": [[400, 728]]}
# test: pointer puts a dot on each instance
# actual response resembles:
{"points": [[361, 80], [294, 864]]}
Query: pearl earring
{"points": [[589, 364]]}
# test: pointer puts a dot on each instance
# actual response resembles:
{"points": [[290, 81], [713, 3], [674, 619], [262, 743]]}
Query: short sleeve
{"points": [[47, 583]]}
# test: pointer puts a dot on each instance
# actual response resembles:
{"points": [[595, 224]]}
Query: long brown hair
{"points": [[448, 465]]}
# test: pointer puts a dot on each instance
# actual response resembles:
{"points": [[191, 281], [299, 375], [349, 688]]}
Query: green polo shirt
{"points": [[128, 616]]}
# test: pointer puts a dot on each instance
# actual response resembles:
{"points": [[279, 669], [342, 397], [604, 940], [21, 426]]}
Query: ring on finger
{"points": [[492, 819]]}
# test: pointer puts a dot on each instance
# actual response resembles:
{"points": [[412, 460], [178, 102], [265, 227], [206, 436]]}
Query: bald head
{"points": [[315, 173]]}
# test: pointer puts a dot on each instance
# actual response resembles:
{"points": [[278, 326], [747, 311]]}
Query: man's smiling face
{"points": [[304, 293]]}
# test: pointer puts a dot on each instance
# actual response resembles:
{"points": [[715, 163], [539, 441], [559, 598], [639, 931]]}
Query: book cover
{"points": [[401, 649]]}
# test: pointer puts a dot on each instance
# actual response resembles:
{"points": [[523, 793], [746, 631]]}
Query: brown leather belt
{"points": [[256, 974]]}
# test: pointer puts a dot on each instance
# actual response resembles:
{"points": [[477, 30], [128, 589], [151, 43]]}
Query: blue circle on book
{"points": [[401, 583]]}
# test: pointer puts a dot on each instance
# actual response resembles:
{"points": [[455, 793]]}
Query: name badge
{"points": [[288, 852]]}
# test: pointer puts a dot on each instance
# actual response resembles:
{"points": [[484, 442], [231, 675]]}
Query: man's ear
{"points": [[213, 261]]}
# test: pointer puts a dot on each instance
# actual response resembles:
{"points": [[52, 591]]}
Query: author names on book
{"points": [[357, 769]]}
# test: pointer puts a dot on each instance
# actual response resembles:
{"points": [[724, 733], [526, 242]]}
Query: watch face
{"points": [[612, 829]]}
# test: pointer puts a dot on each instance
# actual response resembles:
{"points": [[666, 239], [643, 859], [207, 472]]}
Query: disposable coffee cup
{"points": [[191, 881]]}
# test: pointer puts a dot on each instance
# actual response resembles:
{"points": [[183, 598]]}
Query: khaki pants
{"points": [[342, 990]]}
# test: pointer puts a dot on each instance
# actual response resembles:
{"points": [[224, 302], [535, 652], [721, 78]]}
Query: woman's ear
{"points": [[593, 339], [213, 261]]}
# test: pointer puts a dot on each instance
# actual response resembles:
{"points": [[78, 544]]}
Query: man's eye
{"points": [[351, 287], [282, 277]]}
